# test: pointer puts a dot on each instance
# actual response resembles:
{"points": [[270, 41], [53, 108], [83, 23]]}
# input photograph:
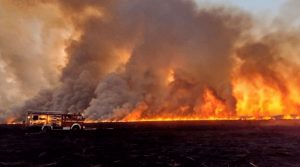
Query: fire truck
{"points": [[47, 121]]}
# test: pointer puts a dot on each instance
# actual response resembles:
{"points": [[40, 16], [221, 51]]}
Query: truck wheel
{"points": [[46, 129], [75, 128]]}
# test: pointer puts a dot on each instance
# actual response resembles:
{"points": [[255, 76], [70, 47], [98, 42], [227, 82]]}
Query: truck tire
{"points": [[75, 128], [46, 129]]}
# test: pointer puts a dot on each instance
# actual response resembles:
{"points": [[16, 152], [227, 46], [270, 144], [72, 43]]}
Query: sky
{"points": [[254, 6]]}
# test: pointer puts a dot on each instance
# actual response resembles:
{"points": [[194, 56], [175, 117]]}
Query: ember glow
{"points": [[140, 60]]}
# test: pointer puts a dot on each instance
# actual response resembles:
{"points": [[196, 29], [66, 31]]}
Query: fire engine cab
{"points": [[54, 121]]}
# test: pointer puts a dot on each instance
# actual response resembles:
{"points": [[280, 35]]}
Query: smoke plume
{"points": [[32, 43], [142, 59]]}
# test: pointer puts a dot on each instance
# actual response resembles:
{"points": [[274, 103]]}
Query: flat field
{"points": [[190, 143]]}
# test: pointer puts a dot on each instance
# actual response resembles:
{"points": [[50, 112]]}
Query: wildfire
{"points": [[171, 77], [113, 61], [255, 100], [212, 107], [12, 121]]}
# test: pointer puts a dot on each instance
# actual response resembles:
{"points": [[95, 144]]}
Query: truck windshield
{"points": [[35, 117]]}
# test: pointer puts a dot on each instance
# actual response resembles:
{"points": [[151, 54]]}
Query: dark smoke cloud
{"points": [[90, 57], [176, 35], [261, 59]]}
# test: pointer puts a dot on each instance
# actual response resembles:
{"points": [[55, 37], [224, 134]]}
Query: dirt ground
{"points": [[206, 144]]}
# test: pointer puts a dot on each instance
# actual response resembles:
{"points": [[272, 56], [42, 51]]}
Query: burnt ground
{"points": [[206, 144]]}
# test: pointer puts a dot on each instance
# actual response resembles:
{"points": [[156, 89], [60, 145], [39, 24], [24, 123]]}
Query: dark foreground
{"points": [[206, 144]]}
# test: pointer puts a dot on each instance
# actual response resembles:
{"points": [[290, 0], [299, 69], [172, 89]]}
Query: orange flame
{"points": [[255, 100]]}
